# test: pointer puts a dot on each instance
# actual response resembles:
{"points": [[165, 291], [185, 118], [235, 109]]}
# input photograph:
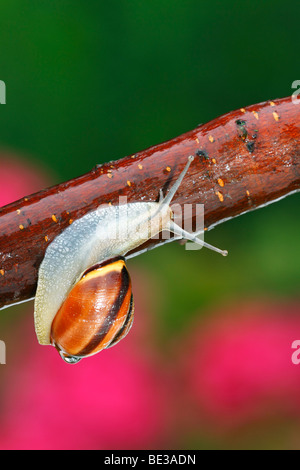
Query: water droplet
{"points": [[69, 359]]}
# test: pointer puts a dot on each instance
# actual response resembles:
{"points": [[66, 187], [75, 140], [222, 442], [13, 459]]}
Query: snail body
{"points": [[87, 262]]}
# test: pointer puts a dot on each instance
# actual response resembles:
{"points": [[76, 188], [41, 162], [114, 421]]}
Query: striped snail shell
{"points": [[97, 313]]}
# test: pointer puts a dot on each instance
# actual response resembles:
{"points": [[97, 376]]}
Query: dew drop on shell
{"points": [[69, 359]]}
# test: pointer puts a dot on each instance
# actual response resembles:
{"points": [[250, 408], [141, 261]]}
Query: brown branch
{"points": [[244, 160]]}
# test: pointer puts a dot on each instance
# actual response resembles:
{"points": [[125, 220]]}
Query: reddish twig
{"points": [[244, 160]]}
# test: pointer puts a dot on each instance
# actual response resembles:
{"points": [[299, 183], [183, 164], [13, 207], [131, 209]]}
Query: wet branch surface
{"points": [[243, 160]]}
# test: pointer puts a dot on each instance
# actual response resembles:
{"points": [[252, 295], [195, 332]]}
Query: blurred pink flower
{"points": [[237, 367], [118, 399], [18, 178]]}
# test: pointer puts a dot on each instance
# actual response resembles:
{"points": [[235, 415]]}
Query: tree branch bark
{"points": [[244, 160]]}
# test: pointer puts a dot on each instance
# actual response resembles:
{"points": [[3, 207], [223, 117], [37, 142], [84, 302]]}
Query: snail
{"points": [[84, 300]]}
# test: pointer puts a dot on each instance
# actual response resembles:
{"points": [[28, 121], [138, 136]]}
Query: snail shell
{"points": [[97, 313]]}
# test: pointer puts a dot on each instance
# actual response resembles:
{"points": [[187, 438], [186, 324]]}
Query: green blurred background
{"points": [[89, 82]]}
